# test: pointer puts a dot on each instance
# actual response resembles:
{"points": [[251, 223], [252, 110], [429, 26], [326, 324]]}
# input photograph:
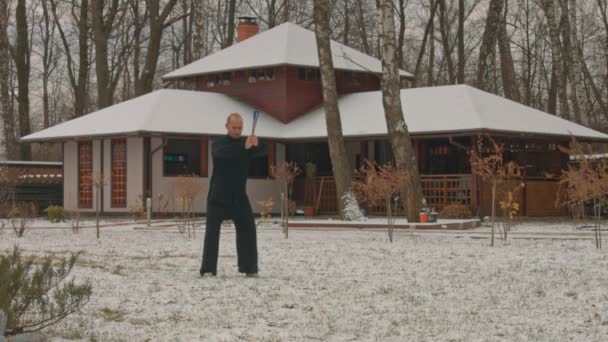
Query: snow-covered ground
{"points": [[334, 285]]}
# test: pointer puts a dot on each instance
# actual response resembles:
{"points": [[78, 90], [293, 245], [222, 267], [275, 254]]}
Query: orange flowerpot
{"points": [[309, 211], [424, 218]]}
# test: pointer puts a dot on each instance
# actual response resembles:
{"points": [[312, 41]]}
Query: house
{"points": [[141, 145]]}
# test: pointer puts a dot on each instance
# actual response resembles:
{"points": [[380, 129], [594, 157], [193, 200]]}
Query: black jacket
{"points": [[230, 169]]}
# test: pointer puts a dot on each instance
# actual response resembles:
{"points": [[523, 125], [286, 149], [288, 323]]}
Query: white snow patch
{"points": [[351, 211], [333, 286]]}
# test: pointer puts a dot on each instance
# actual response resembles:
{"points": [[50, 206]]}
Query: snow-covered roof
{"points": [[286, 44], [447, 109], [29, 163]]}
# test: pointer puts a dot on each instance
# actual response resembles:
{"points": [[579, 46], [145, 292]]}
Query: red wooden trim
{"points": [[204, 157], [271, 157]]}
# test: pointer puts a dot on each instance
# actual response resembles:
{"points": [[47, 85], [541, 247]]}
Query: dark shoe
{"points": [[252, 275]]}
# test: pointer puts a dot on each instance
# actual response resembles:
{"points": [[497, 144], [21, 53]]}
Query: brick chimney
{"points": [[246, 28]]}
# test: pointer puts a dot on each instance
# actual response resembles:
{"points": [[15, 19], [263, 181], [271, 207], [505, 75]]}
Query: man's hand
{"points": [[252, 140]]}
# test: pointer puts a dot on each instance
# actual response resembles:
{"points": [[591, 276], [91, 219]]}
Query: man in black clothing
{"points": [[227, 198]]}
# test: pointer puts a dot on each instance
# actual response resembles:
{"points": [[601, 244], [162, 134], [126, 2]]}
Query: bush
{"points": [[33, 294], [137, 210], [456, 211], [55, 213], [21, 216]]}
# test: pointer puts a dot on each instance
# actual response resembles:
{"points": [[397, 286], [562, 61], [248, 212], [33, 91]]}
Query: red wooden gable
{"points": [[284, 92]]}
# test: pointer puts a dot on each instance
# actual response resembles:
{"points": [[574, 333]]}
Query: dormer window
{"points": [[212, 81], [348, 77], [269, 74], [266, 74], [226, 78], [309, 74], [252, 76]]}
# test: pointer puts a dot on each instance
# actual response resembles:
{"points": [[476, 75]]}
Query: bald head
{"points": [[234, 125]]}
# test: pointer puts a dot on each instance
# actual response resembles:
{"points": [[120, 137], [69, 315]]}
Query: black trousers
{"points": [[246, 239]]}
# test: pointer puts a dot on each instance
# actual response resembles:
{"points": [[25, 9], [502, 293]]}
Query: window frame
{"points": [[204, 140], [126, 163]]}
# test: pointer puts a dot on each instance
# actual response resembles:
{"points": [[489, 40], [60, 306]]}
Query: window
{"points": [[318, 153], [212, 81], [119, 173], [301, 74], [258, 167], [85, 174], [226, 78], [269, 74], [253, 76], [185, 157]]}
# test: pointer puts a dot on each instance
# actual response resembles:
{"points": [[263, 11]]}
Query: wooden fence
{"points": [[438, 190], [41, 184]]}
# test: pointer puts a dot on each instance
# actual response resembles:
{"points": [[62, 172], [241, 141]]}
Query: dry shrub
{"points": [[285, 174], [506, 179], [187, 189], [584, 181], [456, 211], [377, 184], [21, 216]]}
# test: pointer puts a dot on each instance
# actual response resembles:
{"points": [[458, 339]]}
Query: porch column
{"points": [[474, 180]]}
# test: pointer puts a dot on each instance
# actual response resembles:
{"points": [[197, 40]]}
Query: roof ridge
{"points": [[467, 90]]}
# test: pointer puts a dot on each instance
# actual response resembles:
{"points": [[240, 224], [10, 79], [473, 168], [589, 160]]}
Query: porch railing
{"points": [[438, 190]]}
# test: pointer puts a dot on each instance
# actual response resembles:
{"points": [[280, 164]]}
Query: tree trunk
{"points": [[81, 100], [559, 78], [231, 23], [22, 63], [198, 35], [487, 51], [157, 25], [445, 41], [346, 23], [461, 58], [6, 110], [101, 33], [507, 68], [362, 27], [430, 77], [342, 170], [79, 83], [428, 32], [401, 37], [187, 28], [567, 25], [398, 133]]}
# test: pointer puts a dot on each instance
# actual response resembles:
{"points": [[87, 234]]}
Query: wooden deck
{"points": [[537, 198]]}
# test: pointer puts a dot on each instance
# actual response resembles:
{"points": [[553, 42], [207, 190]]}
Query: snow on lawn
{"points": [[349, 285]]}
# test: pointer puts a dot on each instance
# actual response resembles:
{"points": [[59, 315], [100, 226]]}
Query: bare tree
{"points": [[198, 13], [445, 41], [487, 50], [8, 115], [342, 170], [78, 79], [461, 58], [157, 21], [428, 32], [405, 159], [559, 77], [507, 68], [21, 55], [49, 56], [104, 20], [566, 26]]}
